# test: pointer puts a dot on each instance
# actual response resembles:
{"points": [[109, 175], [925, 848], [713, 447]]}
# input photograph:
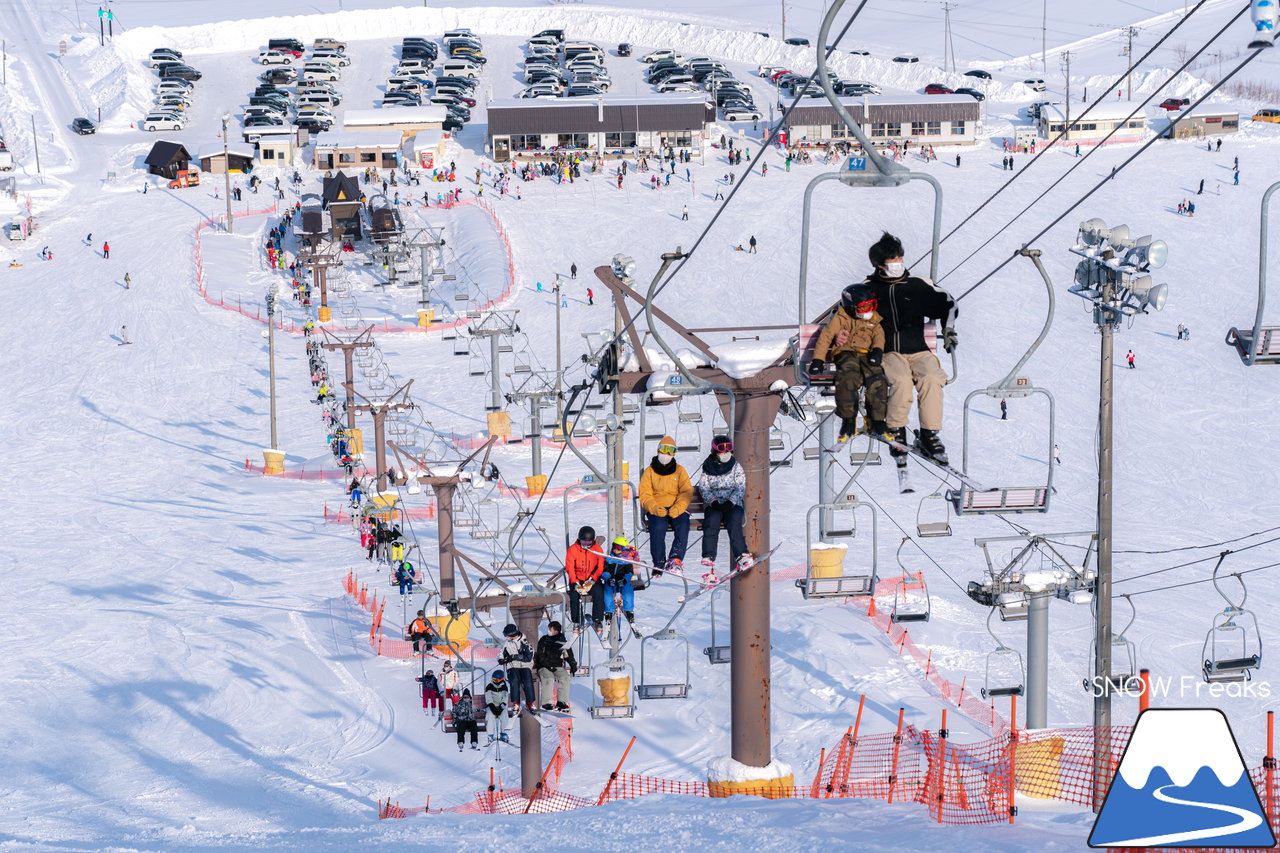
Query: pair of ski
{"points": [[904, 483]]}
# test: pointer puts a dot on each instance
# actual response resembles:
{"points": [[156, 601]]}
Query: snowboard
{"points": [[702, 590]]}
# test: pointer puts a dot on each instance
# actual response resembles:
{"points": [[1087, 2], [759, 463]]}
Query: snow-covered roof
{"points": [[232, 148], [608, 100], [427, 140], [1207, 110], [384, 139], [896, 100], [432, 114], [1106, 111]]}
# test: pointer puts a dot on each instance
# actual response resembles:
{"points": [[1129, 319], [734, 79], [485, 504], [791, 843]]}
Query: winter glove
{"points": [[816, 367], [875, 357], [949, 339], [585, 587]]}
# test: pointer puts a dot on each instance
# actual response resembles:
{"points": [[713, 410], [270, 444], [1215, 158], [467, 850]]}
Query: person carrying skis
{"points": [[554, 662], [517, 657], [449, 680], [495, 699], [855, 339], [665, 493], [430, 691], [464, 719], [909, 301], [583, 566], [618, 570], [723, 486]]}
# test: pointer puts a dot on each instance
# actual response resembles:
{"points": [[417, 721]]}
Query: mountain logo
{"points": [[1182, 782]]}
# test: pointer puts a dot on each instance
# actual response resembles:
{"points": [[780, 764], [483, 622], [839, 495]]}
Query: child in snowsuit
{"points": [[583, 565], [617, 579], [420, 631], [723, 486], [431, 691], [517, 657], [554, 662], [495, 699], [855, 340], [464, 717], [405, 576], [449, 680]]}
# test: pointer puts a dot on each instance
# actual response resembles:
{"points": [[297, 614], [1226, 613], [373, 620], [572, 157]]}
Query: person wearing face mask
{"points": [[583, 564], [665, 493], [854, 339], [906, 302], [723, 486]]}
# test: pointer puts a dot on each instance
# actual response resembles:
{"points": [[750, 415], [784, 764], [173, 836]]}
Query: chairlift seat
{"points": [[840, 587], [998, 501], [1231, 669], [811, 453], [483, 533], [466, 522], [690, 417], [868, 459], [613, 712], [806, 342], [933, 528], [1265, 351], [997, 692], [717, 654], [504, 348]]}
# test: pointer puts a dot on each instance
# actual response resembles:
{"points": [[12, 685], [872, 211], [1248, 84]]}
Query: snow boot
{"points": [[676, 567], [460, 746], [709, 577], [878, 427], [474, 745], [533, 709], [548, 707], [745, 561], [898, 434], [930, 445], [848, 426], [513, 709], [563, 706]]}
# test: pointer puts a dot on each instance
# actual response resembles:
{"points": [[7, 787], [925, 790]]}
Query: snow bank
{"points": [[727, 770], [747, 358]]}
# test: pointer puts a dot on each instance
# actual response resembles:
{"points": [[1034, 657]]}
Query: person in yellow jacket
{"points": [[665, 493]]}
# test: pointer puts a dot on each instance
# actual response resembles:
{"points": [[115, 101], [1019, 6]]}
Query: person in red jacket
{"points": [[106, 250], [583, 565]]}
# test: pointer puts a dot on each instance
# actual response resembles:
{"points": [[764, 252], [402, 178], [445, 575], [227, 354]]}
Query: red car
{"points": [[938, 89], [774, 77], [1175, 103]]}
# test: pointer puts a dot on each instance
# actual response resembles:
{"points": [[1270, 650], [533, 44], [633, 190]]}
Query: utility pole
{"points": [[360, 341], [559, 363], [1128, 77], [379, 412], [825, 412], [1066, 106], [947, 50], [271, 360], [1044, 37], [613, 438], [35, 140], [783, 3], [226, 169], [495, 326]]}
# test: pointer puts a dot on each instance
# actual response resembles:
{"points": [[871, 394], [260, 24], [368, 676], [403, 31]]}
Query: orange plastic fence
{"points": [[394, 646]]}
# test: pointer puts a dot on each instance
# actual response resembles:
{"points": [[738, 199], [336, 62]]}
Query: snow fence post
{"points": [[897, 748], [1269, 763], [941, 762], [614, 775], [1144, 698], [817, 778], [1013, 752]]}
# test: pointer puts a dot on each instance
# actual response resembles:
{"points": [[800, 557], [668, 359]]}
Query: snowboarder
{"points": [[723, 486], [1181, 331], [855, 338], [88, 240], [591, 297], [583, 565], [555, 663], [1130, 357], [665, 493], [957, 161], [1057, 455], [1004, 409], [752, 244], [464, 719], [617, 580], [910, 301], [1201, 190], [1235, 178], [517, 657], [106, 250], [124, 336], [430, 691], [684, 213]]}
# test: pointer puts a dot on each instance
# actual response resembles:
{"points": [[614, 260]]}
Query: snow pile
{"points": [[747, 358], [727, 770]]}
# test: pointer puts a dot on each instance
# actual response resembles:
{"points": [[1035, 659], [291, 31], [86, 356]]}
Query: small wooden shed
{"points": [[168, 159]]}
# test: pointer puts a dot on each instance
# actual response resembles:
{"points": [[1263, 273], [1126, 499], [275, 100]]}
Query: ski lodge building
{"points": [[1095, 126], [924, 119], [529, 128], [1203, 121]]}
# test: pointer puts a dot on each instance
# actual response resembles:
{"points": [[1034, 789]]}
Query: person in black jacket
{"points": [[906, 303], [554, 662]]}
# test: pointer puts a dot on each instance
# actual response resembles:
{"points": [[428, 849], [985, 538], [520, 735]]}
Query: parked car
{"points": [[466, 82], [541, 90], [83, 126], [173, 84], [264, 110], [401, 99], [319, 99], [320, 73], [418, 53], [856, 52], [938, 89], [1034, 83], [1174, 103], [624, 49], [677, 85], [979, 73], [410, 84], [1035, 109], [163, 121], [275, 57], [331, 43], [335, 57], [654, 56], [556, 34], [178, 69], [971, 92], [1267, 115], [797, 41], [278, 75], [285, 44], [264, 121], [170, 105], [906, 58], [315, 125], [741, 114], [162, 55], [452, 125]]}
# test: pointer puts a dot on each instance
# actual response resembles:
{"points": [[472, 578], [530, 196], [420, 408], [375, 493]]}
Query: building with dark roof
{"points": [[168, 159], [540, 127], [923, 119], [340, 195]]}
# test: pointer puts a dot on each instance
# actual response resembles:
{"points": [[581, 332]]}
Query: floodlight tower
{"points": [[1114, 277]]}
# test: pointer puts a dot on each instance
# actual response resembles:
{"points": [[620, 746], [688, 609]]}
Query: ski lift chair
{"points": [[481, 717], [1124, 658], [855, 580], [1233, 647], [461, 346], [910, 594], [780, 443], [476, 366], [1259, 344], [718, 652], [938, 524], [1014, 605], [615, 669], [656, 689], [521, 363], [1005, 674]]}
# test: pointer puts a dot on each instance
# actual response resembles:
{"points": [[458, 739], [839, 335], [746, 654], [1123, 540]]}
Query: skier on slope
{"points": [[555, 663], [665, 493], [583, 566], [722, 483], [617, 579], [464, 718], [517, 657], [908, 301], [855, 338]]}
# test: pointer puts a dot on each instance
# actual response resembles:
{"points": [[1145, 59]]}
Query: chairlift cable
{"points": [[1082, 199], [1183, 548], [1045, 150], [1201, 560]]}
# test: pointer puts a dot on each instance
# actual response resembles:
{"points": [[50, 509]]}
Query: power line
{"points": [[1201, 580], [1184, 547]]}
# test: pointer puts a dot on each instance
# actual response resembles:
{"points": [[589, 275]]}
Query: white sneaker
{"points": [[745, 561]]}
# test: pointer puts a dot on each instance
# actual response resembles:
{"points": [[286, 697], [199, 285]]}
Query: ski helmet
{"points": [[722, 444], [587, 532], [511, 630], [621, 542], [499, 675], [856, 294]]}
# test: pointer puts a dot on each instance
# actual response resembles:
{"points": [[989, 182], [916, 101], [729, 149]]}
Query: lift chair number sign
{"points": [[856, 164]]}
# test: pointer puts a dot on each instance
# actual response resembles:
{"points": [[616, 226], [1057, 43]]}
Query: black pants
{"points": [[852, 373], [465, 726], [729, 515], [597, 603], [521, 681]]}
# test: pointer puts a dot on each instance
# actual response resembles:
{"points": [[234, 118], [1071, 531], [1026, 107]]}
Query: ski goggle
{"points": [[669, 449], [867, 306], [586, 543], [722, 446]]}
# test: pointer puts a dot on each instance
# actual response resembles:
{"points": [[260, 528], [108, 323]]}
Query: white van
{"points": [[319, 99], [458, 68], [325, 73], [411, 66]]}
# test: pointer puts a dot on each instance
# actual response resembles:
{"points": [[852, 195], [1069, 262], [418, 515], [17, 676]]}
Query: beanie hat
{"points": [[666, 439], [511, 630]]}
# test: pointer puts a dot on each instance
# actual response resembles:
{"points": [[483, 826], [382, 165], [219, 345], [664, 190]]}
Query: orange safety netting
{"points": [[397, 647]]}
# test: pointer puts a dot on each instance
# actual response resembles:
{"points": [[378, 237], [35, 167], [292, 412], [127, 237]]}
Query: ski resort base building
{"points": [[1093, 127], [537, 128], [924, 119]]}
